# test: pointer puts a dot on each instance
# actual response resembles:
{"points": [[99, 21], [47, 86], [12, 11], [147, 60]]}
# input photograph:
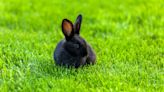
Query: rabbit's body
{"points": [[73, 50], [63, 57]]}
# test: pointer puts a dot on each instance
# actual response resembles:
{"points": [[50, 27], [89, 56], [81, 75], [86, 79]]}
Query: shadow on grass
{"points": [[43, 68]]}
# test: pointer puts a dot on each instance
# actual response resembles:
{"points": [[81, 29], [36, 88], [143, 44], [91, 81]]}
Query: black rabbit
{"points": [[73, 51]]}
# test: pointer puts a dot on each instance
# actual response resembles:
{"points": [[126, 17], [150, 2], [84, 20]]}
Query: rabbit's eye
{"points": [[76, 45]]}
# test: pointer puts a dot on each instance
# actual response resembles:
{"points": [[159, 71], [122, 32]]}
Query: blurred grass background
{"points": [[127, 36]]}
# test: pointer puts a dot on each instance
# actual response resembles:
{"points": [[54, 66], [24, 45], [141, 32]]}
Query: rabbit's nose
{"points": [[76, 45]]}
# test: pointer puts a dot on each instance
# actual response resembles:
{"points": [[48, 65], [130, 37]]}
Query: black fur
{"points": [[73, 51]]}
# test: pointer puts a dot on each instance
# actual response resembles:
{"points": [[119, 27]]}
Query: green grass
{"points": [[127, 36]]}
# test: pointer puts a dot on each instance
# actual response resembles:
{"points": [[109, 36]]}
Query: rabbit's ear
{"points": [[67, 28], [77, 24]]}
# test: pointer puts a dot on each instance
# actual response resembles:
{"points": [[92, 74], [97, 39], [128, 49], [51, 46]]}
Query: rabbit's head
{"points": [[74, 44]]}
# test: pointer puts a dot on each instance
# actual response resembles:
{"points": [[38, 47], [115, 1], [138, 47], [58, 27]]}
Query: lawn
{"points": [[127, 36]]}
